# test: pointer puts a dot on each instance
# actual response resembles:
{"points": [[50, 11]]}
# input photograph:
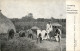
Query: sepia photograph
{"points": [[32, 25]]}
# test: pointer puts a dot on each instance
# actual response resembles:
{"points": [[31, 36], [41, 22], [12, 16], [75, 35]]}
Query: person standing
{"points": [[11, 33], [48, 29], [58, 34]]}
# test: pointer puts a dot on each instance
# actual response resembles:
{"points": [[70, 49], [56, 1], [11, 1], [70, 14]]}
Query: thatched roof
{"points": [[5, 24], [56, 24], [35, 28]]}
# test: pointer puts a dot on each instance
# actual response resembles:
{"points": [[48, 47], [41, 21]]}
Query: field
{"points": [[26, 44]]}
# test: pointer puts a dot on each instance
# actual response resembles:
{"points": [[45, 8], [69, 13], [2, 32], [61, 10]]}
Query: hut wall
{"points": [[5, 26]]}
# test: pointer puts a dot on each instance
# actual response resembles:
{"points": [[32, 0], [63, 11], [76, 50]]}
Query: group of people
{"points": [[46, 34], [49, 29], [41, 34]]}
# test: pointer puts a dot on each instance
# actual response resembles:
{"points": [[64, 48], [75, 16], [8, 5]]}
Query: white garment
{"points": [[43, 34], [57, 39], [48, 28]]}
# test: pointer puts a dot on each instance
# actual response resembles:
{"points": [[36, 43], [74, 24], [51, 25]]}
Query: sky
{"points": [[39, 8]]}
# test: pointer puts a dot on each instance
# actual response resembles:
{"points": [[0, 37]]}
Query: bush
{"points": [[64, 30]]}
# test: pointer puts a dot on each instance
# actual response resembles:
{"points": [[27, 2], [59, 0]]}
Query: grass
{"points": [[20, 44], [25, 44]]}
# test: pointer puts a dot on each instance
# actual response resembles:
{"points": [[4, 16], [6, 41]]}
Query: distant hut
{"points": [[34, 29], [5, 26], [56, 25]]}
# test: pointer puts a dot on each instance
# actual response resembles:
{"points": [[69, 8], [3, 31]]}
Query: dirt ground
{"points": [[26, 44], [53, 46]]}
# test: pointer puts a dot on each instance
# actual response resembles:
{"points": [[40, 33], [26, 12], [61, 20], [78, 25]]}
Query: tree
{"points": [[40, 19], [24, 18], [30, 15], [52, 19]]}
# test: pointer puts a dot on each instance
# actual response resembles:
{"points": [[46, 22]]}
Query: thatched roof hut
{"points": [[35, 28], [5, 24], [56, 24]]}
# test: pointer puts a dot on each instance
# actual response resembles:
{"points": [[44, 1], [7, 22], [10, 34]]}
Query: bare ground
{"points": [[25, 44], [53, 46]]}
